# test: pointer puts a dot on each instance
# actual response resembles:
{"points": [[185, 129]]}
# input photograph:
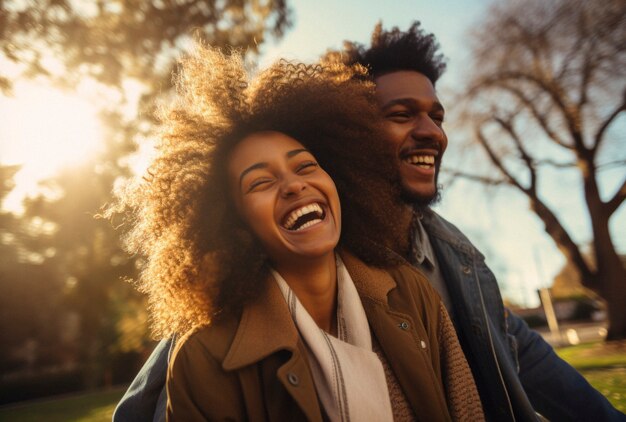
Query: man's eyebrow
{"points": [[401, 101], [256, 166], [437, 106], [410, 102]]}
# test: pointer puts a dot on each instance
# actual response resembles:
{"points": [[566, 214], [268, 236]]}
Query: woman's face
{"points": [[288, 201]]}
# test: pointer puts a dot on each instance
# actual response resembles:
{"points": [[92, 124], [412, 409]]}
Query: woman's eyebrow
{"points": [[255, 166], [262, 165], [295, 152]]}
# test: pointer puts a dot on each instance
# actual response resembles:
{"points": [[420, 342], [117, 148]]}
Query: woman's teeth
{"points": [[304, 217]]}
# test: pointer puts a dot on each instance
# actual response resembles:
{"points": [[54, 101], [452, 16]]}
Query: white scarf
{"points": [[348, 375]]}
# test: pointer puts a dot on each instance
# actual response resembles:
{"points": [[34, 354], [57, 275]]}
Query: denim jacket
{"points": [[516, 371]]}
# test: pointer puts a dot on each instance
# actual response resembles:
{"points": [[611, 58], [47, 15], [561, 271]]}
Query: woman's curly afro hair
{"points": [[201, 260]]}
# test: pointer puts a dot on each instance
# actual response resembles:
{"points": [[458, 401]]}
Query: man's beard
{"points": [[424, 201], [421, 201]]}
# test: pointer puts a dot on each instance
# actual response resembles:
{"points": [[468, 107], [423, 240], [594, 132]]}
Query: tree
{"points": [[30, 292], [114, 40], [548, 91], [111, 42]]}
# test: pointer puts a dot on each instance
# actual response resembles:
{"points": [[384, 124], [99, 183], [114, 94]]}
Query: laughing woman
{"points": [[287, 285]]}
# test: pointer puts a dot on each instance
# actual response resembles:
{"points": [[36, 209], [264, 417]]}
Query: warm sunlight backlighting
{"points": [[44, 129]]}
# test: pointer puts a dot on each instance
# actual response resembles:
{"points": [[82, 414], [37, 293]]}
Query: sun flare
{"points": [[44, 129]]}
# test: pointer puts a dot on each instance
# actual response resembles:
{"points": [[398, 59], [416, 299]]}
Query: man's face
{"points": [[413, 121]]}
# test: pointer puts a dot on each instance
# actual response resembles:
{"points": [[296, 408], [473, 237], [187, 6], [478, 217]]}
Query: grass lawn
{"points": [[604, 366], [92, 407]]}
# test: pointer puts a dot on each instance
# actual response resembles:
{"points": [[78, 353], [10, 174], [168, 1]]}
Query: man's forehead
{"points": [[404, 84]]}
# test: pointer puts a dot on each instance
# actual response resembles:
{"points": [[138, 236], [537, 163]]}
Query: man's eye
{"points": [[438, 118], [399, 115]]}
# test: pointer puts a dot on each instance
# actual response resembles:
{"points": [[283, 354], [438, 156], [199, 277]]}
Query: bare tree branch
{"points": [[613, 204], [539, 117], [562, 239], [507, 125], [599, 137], [497, 161], [477, 178], [556, 93], [556, 164]]}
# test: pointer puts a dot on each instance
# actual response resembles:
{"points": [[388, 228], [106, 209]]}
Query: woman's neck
{"points": [[315, 284]]}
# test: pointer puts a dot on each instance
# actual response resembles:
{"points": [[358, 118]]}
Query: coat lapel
{"points": [[265, 328], [404, 341]]}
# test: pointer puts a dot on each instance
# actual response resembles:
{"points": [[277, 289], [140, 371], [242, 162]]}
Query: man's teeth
{"points": [[421, 160], [293, 217]]}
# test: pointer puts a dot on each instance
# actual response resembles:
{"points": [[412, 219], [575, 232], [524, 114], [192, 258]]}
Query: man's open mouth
{"points": [[425, 161], [304, 217]]}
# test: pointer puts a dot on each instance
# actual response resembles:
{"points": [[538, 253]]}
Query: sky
{"points": [[498, 221]]}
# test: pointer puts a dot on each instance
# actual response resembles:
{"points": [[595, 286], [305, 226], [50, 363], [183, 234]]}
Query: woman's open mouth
{"points": [[304, 217]]}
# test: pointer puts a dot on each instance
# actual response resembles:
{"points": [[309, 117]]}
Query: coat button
{"points": [[404, 325], [466, 269], [293, 379], [423, 344]]}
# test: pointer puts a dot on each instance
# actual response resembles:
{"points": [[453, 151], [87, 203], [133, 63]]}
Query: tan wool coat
{"points": [[255, 367]]}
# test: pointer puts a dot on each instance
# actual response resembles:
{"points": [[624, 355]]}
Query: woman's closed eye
{"points": [[306, 167], [259, 184]]}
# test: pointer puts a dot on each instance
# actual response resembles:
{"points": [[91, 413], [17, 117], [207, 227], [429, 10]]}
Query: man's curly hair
{"points": [[201, 260], [395, 50]]}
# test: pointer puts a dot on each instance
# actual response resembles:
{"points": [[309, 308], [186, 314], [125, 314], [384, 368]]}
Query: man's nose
{"points": [[292, 185], [425, 128]]}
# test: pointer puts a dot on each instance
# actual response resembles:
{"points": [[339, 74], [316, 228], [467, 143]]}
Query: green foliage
{"points": [[114, 40]]}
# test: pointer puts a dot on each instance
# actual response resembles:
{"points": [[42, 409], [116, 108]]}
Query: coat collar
{"points": [[264, 328], [266, 325]]}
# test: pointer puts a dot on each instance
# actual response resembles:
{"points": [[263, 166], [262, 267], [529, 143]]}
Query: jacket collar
{"points": [[266, 325], [439, 228], [264, 328]]}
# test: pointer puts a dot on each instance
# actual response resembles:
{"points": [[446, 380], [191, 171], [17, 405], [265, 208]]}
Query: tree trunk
{"points": [[610, 276], [615, 283], [609, 279]]}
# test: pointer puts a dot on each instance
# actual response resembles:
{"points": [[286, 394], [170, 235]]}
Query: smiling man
{"points": [[516, 371]]}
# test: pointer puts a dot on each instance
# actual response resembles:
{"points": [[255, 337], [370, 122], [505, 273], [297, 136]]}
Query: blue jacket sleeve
{"points": [[555, 389], [146, 399]]}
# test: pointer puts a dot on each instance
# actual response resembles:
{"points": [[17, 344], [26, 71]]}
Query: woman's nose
{"points": [[292, 185]]}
